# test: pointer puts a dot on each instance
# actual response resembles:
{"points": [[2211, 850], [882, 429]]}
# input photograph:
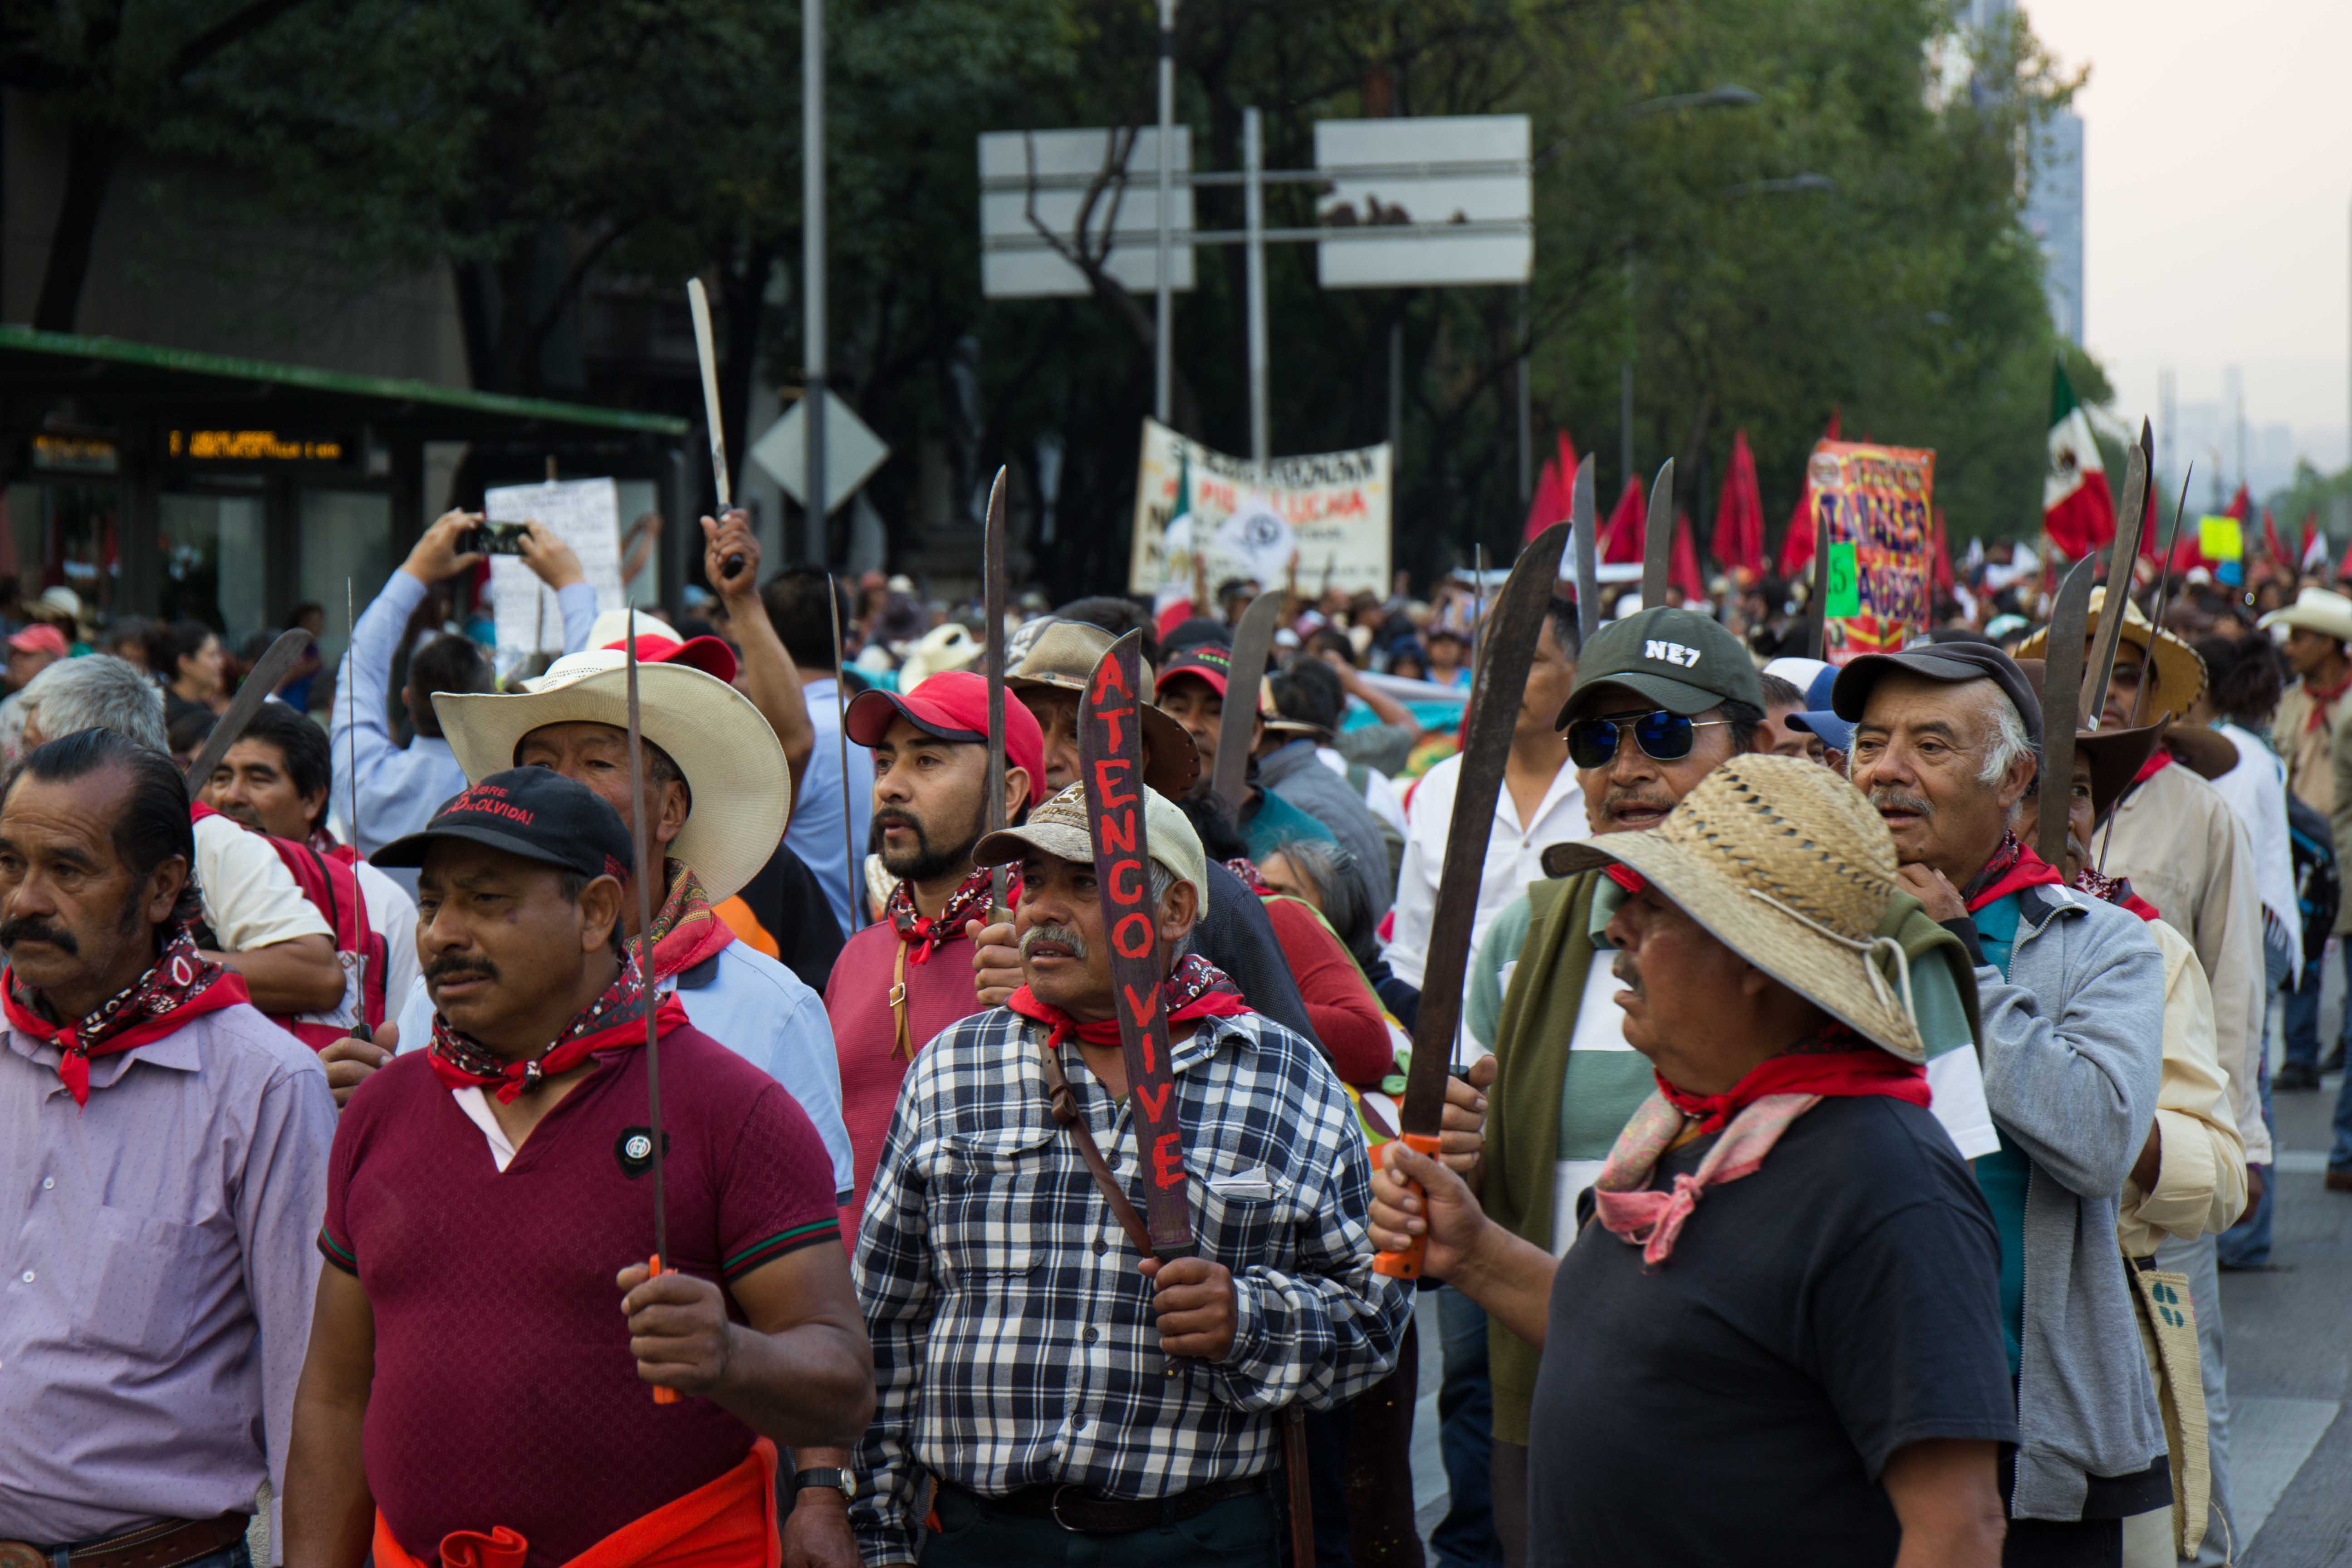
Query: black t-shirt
{"points": [[786, 899], [1737, 1405]]}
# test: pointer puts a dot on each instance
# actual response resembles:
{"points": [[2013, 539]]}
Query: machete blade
{"points": [[1816, 603], [993, 657], [2128, 524], [1252, 641], [2061, 680], [1587, 562], [1658, 537], [269, 673], [1111, 766], [2163, 599], [1487, 724]]}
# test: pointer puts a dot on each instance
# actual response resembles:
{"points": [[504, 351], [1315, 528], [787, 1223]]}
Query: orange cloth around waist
{"points": [[727, 1522], [747, 927]]}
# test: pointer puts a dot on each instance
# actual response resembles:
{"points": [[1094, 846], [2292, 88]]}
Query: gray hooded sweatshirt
{"points": [[2072, 1051]]}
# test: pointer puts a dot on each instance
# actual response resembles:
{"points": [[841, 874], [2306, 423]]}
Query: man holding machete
{"points": [[1076, 1402]]}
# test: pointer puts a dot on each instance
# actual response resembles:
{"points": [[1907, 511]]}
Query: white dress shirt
{"points": [[1513, 856]]}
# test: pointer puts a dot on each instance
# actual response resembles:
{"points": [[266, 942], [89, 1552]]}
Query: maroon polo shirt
{"points": [[505, 1392]]}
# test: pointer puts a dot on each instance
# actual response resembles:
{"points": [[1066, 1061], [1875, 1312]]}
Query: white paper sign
{"points": [[584, 513]]}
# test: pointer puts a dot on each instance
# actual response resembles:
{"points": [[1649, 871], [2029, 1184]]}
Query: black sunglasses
{"points": [[1663, 736]]}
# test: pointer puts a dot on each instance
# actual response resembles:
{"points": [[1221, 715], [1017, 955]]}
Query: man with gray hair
{"points": [[261, 924], [2070, 989]]}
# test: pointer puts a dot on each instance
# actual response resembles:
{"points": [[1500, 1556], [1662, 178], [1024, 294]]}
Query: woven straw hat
{"points": [[1786, 864], [2179, 673]]}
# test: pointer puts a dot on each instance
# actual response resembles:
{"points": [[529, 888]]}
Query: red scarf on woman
{"points": [[1833, 1074], [181, 985], [616, 1019], [1195, 989]]}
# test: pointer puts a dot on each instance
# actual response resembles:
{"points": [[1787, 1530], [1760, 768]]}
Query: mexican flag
{"points": [[2077, 509]]}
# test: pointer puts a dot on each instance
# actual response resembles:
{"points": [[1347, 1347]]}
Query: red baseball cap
{"points": [[1206, 662], [41, 638], [952, 705], [709, 655]]}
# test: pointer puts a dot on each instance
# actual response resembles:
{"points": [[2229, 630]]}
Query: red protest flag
{"points": [[2240, 506], [1941, 564], [1739, 515], [2078, 511], [1620, 536], [1797, 544], [2315, 544], [1682, 562], [1555, 488], [2270, 538]]}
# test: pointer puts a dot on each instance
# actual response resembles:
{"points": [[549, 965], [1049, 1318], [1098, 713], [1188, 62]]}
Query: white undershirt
{"points": [[476, 1107]]}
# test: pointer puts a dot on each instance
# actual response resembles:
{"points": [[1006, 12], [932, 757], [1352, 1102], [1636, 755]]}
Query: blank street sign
{"points": [[852, 452], [1015, 262], [1438, 200]]}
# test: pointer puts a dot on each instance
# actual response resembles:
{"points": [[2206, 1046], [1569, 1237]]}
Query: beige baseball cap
{"points": [[1059, 828]]}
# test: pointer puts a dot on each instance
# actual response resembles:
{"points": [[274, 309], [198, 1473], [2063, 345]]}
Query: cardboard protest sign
{"points": [[586, 515], [1877, 504], [1333, 507]]}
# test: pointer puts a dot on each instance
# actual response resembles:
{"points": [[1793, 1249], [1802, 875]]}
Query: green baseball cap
{"points": [[1683, 661]]}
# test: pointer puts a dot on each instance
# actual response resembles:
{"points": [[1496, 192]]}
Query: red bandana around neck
{"points": [[687, 927], [1195, 989], [2157, 761], [2116, 890], [969, 902], [2012, 868], [2323, 697], [1861, 1069], [181, 985], [616, 1019]]}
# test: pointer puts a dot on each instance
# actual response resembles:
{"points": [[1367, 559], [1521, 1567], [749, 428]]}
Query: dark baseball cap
{"points": [[1683, 661], [534, 813], [1951, 663]]}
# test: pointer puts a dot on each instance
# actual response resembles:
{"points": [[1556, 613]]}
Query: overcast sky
{"points": [[2218, 174]]}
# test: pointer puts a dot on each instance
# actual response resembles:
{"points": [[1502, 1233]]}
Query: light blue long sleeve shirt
{"points": [[815, 833], [755, 1007], [399, 789]]}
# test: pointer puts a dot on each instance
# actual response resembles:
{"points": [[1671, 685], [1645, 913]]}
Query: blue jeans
{"points": [[2303, 1016], [1465, 1537], [2340, 1158], [2247, 1244]]}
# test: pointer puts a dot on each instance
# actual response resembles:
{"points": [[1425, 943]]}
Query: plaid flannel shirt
{"points": [[1013, 1338]]}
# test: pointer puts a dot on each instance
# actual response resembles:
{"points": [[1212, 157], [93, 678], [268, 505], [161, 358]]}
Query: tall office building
{"points": [[2053, 200]]}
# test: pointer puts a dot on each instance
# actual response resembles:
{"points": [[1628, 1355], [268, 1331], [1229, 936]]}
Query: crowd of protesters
{"points": [[1824, 1176]]}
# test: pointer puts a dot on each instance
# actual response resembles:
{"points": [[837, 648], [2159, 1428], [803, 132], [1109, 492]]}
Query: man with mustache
{"points": [[1053, 1383], [163, 1156], [488, 1322], [1662, 699], [2070, 994]]}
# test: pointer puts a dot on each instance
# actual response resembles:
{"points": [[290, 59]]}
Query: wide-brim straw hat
{"points": [[1786, 864], [734, 767], [2321, 610], [2179, 673]]}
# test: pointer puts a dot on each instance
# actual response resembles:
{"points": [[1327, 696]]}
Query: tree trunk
{"points": [[91, 158]]}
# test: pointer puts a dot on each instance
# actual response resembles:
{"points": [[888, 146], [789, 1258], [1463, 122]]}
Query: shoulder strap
{"points": [[1065, 1104], [902, 1037]]}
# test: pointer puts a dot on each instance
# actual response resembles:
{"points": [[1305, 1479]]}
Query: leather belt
{"points": [[1082, 1513], [165, 1545]]}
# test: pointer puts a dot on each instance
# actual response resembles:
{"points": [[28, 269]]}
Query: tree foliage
{"points": [[536, 145]]}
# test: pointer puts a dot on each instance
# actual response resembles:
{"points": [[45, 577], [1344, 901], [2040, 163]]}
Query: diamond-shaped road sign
{"points": [[852, 452]]}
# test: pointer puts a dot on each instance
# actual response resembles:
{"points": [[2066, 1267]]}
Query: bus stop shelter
{"points": [[160, 482]]}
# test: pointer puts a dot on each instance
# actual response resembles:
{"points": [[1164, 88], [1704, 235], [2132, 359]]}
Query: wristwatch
{"points": [[827, 1478]]}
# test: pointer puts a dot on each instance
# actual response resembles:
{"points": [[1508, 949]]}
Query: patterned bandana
{"points": [[2116, 890], [1752, 1115], [687, 930], [616, 1019], [1195, 989], [969, 902], [1245, 868], [2012, 868], [182, 985]]}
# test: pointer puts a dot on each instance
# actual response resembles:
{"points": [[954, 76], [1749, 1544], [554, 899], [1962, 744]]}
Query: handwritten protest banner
{"points": [[1876, 502], [1335, 506]]}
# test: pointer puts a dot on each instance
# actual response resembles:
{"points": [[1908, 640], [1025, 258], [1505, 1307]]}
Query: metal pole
{"points": [[1527, 411], [1163, 300], [816, 546], [1396, 390], [1253, 225], [1625, 379]]}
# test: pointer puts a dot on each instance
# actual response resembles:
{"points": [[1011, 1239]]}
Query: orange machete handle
{"points": [[1406, 1265], [662, 1395]]}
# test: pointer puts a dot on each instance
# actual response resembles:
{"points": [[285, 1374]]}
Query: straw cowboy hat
{"points": [[948, 646], [2321, 610], [2179, 673], [1786, 864], [734, 768]]}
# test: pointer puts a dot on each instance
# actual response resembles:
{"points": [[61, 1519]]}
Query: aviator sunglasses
{"points": [[1663, 736]]}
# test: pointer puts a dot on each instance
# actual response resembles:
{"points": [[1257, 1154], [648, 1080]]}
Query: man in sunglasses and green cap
{"points": [[1662, 699]]}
